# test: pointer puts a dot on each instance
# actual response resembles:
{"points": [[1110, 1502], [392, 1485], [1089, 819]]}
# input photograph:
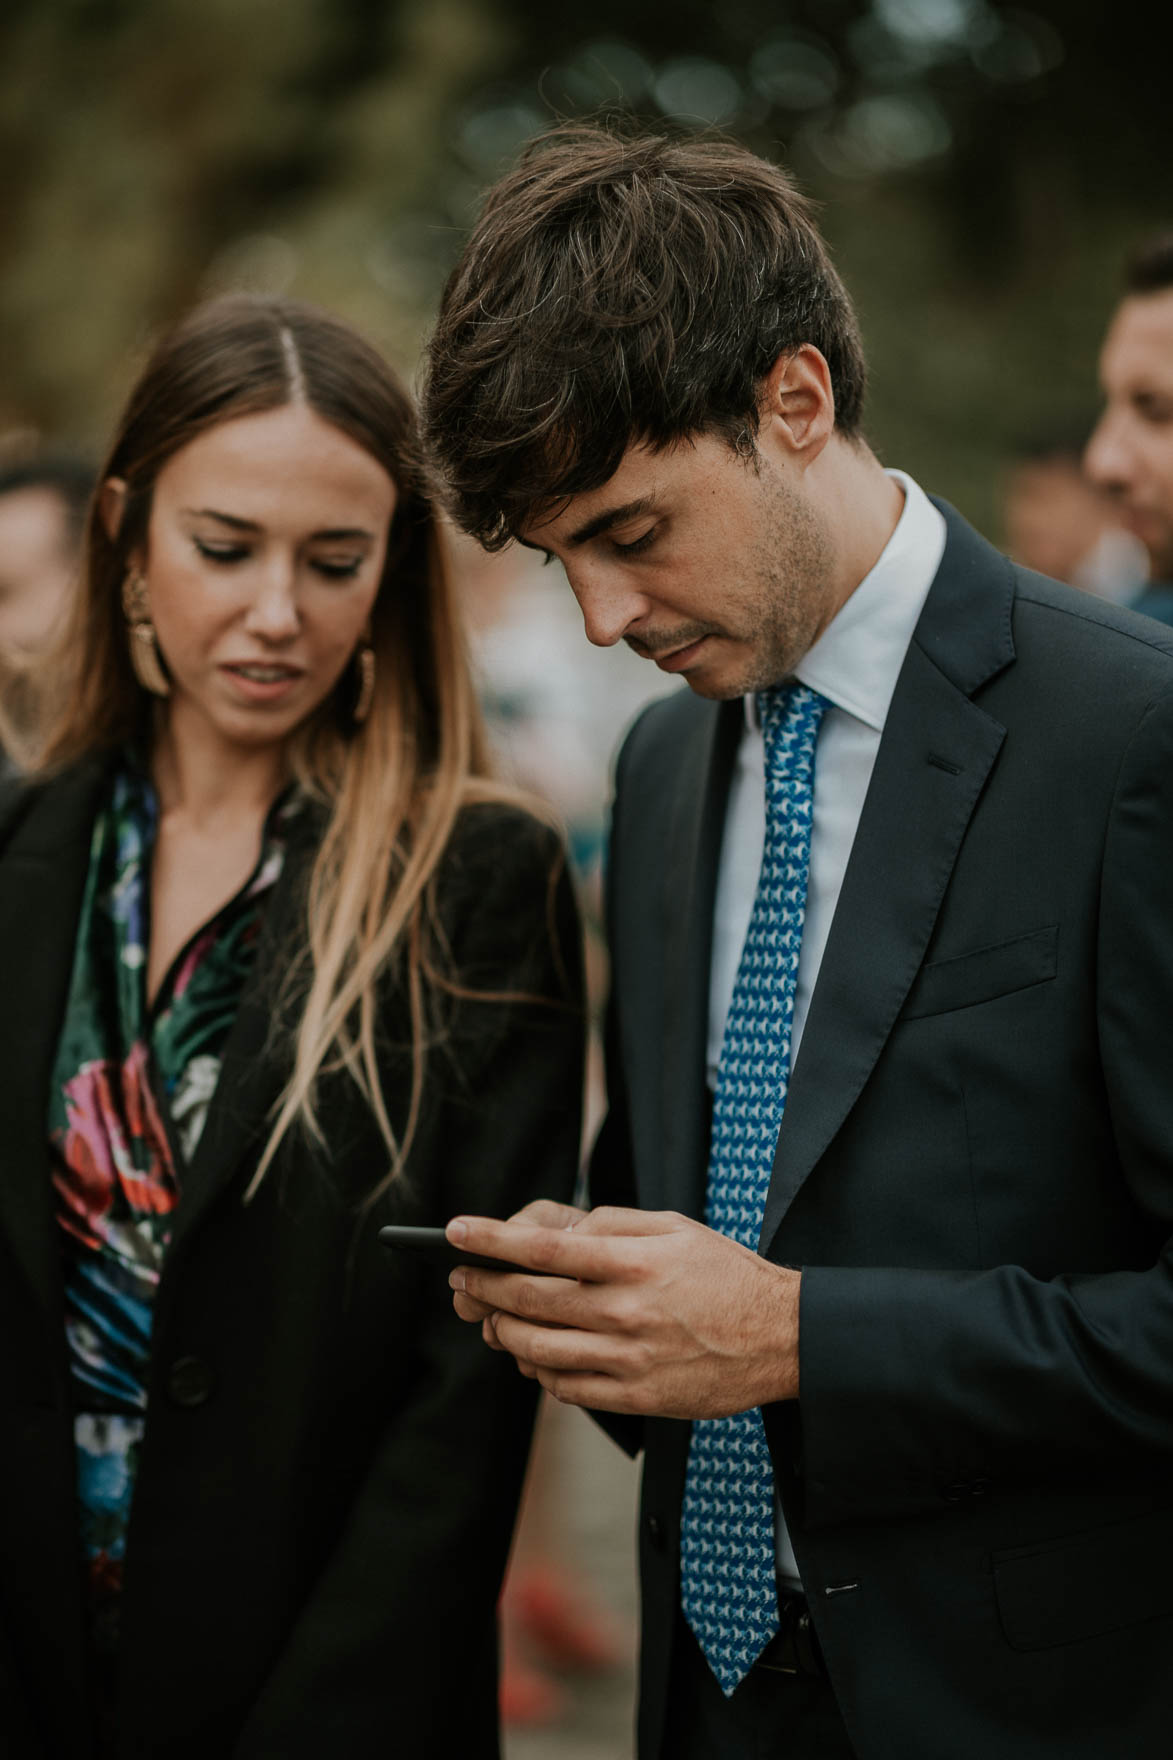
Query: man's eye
{"points": [[220, 552], [636, 544]]}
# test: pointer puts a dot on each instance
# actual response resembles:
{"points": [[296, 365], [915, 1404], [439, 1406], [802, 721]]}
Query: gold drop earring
{"points": [[364, 659], [144, 648]]}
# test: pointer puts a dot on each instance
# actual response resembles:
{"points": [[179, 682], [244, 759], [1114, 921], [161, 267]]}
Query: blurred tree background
{"points": [[983, 169]]}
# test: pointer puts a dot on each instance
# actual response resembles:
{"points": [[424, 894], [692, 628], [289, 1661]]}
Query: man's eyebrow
{"points": [[332, 535], [603, 522]]}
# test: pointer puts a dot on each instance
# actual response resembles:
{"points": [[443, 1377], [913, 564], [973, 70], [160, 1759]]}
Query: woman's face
{"points": [[264, 553]]}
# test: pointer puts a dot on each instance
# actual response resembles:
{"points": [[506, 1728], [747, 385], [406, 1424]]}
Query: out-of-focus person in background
{"points": [[43, 505], [1060, 523], [1130, 454], [280, 963]]}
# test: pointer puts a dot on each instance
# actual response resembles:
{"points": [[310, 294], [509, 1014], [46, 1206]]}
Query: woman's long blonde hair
{"points": [[393, 788]]}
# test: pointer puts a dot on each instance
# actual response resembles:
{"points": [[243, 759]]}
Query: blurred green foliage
{"points": [[983, 169]]}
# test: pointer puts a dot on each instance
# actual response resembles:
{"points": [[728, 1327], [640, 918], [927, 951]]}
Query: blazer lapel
{"points": [[690, 884], [251, 1073], [936, 751], [42, 878]]}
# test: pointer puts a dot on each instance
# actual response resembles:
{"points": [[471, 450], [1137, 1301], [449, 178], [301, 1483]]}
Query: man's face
{"points": [[36, 568], [714, 567], [1131, 451]]}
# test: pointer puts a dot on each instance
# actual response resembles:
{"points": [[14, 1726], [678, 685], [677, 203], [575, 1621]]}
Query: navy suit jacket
{"points": [[974, 1172]]}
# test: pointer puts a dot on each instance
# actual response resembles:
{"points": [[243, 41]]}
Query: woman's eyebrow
{"points": [[330, 534]]}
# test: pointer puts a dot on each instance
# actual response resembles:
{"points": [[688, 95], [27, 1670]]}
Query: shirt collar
{"points": [[856, 661]]}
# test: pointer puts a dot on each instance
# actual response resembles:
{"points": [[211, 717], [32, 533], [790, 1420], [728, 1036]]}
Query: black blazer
{"points": [[332, 1461], [974, 1170]]}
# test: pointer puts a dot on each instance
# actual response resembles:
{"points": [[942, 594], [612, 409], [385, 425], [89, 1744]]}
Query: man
{"points": [[42, 508], [1131, 451], [1056, 521], [891, 918]]}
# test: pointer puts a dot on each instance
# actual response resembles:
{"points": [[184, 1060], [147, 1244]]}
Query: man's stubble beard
{"points": [[790, 601]]}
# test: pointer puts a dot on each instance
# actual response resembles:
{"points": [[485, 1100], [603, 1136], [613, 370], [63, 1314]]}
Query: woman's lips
{"points": [[260, 683]]}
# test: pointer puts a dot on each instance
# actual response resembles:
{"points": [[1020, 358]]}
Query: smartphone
{"points": [[433, 1244]]}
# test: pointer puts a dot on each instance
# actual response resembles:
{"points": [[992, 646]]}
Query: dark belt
{"points": [[794, 1649]]}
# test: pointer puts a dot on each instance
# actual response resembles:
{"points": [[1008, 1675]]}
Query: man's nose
{"points": [[1107, 458], [273, 614], [609, 605]]}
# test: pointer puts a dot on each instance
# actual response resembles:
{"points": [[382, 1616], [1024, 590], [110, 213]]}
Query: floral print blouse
{"points": [[128, 1100]]}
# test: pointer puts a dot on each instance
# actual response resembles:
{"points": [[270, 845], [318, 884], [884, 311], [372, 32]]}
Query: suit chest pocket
{"points": [[984, 974]]}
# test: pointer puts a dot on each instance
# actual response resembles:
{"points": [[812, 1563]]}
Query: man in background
{"points": [[1130, 454], [1058, 522], [43, 506]]}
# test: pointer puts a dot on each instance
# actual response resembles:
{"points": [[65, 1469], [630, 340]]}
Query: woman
{"points": [[279, 965]]}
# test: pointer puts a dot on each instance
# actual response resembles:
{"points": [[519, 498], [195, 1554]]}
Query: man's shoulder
{"points": [[664, 724], [1085, 635], [988, 618], [1156, 601]]}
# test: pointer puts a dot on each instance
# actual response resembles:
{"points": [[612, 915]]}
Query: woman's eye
{"points": [[220, 552], [337, 571]]}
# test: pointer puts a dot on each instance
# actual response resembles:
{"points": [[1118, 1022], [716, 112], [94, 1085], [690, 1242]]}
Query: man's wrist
{"points": [[782, 1361]]}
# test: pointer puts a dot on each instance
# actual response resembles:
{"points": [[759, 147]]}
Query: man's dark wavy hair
{"points": [[621, 289], [1150, 267]]}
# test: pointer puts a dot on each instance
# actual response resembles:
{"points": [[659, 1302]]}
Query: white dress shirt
{"points": [[854, 664]]}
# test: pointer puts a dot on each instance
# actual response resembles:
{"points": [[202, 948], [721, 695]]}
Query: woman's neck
{"points": [[205, 780]]}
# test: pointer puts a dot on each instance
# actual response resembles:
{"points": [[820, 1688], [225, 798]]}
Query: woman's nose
{"points": [[273, 613]]}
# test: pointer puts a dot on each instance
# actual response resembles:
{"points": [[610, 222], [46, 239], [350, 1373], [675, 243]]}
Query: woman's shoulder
{"points": [[501, 843], [505, 888]]}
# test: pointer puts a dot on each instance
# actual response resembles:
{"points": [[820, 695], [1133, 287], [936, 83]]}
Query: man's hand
{"points": [[633, 1310]]}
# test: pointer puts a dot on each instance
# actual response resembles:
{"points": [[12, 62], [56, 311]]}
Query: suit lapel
{"points": [[690, 883], [936, 752], [42, 878]]}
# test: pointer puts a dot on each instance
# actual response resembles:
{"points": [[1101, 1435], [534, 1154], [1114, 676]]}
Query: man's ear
{"points": [[112, 505], [797, 404]]}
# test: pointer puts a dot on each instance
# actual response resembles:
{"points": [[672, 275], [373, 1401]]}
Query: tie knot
{"points": [[789, 716]]}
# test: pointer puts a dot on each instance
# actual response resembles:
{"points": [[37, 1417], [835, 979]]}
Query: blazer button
{"points": [[655, 1532], [189, 1382]]}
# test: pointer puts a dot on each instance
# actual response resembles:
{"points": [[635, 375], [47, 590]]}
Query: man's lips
{"points": [[679, 658], [669, 657]]}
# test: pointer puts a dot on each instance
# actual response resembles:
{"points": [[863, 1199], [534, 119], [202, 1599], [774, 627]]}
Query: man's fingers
{"points": [[544, 1301], [612, 1219], [467, 1307], [602, 1248], [556, 1347], [546, 1213]]}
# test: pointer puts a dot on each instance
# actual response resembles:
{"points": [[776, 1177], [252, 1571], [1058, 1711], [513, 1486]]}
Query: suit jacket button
{"points": [[655, 1532], [189, 1382]]}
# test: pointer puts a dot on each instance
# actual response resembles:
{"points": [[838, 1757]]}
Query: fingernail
{"points": [[457, 1232], [456, 1279]]}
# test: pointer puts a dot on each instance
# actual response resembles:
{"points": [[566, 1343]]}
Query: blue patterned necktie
{"points": [[728, 1588]]}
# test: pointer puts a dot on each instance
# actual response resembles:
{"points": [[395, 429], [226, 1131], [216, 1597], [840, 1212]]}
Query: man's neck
{"points": [[862, 506]]}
